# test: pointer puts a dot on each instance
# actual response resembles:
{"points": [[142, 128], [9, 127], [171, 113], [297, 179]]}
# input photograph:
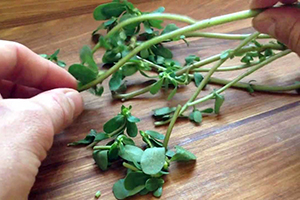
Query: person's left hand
{"points": [[29, 116]]}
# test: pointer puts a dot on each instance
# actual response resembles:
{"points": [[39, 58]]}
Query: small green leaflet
{"points": [[132, 119], [135, 179], [191, 59], [153, 184], [97, 90], [156, 87], [108, 10], [169, 28], [153, 160], [98, 194], [132, 130], [171, 95], [198, 78], [113, 152], [121, 193], [82, 73], [158, 192], [87, 140], [116, 81], [129, 69], [86, 56], [182, 155], [114, 124], [164, 111], [196, 116], [101, 159], [131, 153], [159, 50], [155, 135], [219, 100], [159, 10]]}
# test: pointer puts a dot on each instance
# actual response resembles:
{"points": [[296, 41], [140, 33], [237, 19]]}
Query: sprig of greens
{"points": [[135, 42], [53, 57]]}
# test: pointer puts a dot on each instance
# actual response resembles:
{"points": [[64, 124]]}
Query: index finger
{"points": [[268, 3], [22, 66]]}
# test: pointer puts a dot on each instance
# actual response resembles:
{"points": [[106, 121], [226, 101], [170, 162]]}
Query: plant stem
{"points": [[102, 148], [225, 36], [130, 95], [255, 87], [217, 57], [129, 166], [213, 69], [197, 26], [253, 69], [171, 125], [225, 69]]}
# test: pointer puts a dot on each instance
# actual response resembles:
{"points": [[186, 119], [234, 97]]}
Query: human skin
{"points": [[280, 23], [31, 112]]}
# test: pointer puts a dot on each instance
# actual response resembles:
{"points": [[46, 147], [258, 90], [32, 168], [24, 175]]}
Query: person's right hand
{"points": [[281, 23]]}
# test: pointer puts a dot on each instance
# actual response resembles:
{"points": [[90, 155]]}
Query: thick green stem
{"points": [[253, 69], [129, 166], [197, 26], [130, 95], [256, 87], [225, 69], [102, 147], [171, 125], [225, 36]]}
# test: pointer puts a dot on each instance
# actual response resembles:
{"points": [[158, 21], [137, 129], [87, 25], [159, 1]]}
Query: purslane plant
{"points": [[135, 43]]}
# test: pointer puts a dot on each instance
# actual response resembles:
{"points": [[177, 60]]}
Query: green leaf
{"points": [[190, 59], [113, 151], [86, 56], [61, 63], [197, 116], [82, 73], [131, 153], [144, 192], [97, 90], [153, 160], [156, 23], [108, 10], [169, 28], [171, 95], [87, 140], [163, 111], [153, 184], [101, 159], [144, 53], [208, 110], [158, 192], [121, 193], [269, 52], [135, 179], [100, 136], [116, 81], [156, 87], [198, 78], [132, 28], [132, 119], [218, 102], [159, 10], [111, 57], [155, 135], [159, 50], [183, 155], [98, 194], [114, 124], [129, 69], [132, 130], [170, 153], [54, 55], [147, 28]]}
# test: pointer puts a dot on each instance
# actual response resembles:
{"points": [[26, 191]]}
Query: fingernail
{"points": [[75, 99], [265, 24]]}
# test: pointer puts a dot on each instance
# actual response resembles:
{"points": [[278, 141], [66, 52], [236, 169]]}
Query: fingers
{"points": [[20, 65], [268, 3], [26, 133], [9, 89], [286, 29]]}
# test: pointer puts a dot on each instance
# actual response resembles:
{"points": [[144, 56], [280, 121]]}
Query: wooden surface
{"points": [[250, 151]]}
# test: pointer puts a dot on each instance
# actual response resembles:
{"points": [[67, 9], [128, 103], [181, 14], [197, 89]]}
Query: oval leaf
{"points": [[132, 130], [101, 159], [114, 124], [131, 153], [153, 160], [155, 135], [153, 184], [82, 73], [108, 10], [135, 179], [156, 87], [183, 155]]}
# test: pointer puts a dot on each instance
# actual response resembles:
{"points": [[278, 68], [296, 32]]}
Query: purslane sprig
{"points": [[134, 42]]}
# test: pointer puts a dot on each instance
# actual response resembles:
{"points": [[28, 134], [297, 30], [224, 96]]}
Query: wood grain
{"points": [[250, 151]]}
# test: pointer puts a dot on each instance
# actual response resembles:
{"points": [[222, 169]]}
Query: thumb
{"points": [[281, 23], [26, 134]]}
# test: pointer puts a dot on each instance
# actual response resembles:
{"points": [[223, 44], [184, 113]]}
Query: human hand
{"points": [[28, 125], [281, 23]]}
